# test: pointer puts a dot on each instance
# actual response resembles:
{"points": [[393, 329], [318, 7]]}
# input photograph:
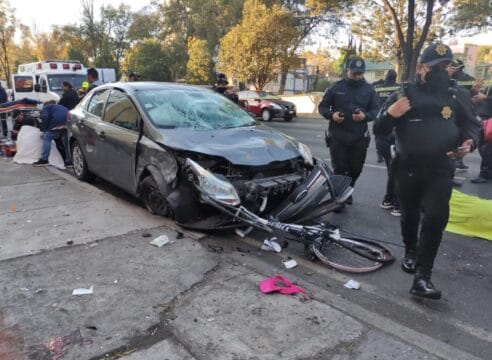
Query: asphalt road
{"points": [[462, 271]]}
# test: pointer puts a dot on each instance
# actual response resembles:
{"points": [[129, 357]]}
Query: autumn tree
{"points": [[375, 29], [200, 65], [8, 23], [253, 49]]}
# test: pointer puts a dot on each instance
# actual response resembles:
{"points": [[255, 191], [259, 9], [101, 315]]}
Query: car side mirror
{"points": [[258, 100]]}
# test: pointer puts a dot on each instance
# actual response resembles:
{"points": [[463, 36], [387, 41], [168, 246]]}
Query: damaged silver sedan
{"points": [[193, 155]]}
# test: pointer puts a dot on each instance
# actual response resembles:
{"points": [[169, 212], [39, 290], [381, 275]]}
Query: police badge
{"points": [[446, 112], [441, 49]]}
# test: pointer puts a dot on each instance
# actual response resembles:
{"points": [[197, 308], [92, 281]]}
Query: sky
{"points": [[46, 13]]}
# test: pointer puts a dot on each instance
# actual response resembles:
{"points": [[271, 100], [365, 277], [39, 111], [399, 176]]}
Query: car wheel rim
{"points": [[78, 162], [155, 202], [266, 115]]}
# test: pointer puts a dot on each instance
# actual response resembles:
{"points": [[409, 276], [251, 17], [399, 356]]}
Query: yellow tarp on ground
{"points": [[470, 216]]}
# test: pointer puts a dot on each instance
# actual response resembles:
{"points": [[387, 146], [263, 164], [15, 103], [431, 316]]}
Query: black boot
{"points": [[422, 286], [409, 262]]}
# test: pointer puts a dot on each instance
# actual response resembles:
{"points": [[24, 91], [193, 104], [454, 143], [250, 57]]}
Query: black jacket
{"points": [[436, 123], [346, 98], [69, 99]]}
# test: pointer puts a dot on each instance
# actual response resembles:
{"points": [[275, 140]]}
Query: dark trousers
{"points": [[383, 145], [348, 160], [424, 192], [3, 121], [485, 149]]}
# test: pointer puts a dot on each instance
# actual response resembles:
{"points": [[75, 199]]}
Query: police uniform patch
{"points": [[446, 112], [441, 49]]}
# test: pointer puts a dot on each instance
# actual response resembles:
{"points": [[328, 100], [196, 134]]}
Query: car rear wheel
{"points": [[80, 168], [266, 115], [152, 198]]}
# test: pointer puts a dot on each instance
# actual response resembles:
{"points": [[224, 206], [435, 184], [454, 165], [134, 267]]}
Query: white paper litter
{"points": [[290, 264], [82, 291], [352, 284], [160, 241], [271, 245]]}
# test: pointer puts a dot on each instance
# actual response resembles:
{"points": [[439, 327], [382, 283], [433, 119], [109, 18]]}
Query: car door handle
{"points": [[102, 135]]}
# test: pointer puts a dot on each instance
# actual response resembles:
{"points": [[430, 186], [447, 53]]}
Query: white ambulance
{"points": [[43, 80]]}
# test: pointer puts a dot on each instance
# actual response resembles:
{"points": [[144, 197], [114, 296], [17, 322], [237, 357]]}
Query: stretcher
{"points": [[29, 106]]}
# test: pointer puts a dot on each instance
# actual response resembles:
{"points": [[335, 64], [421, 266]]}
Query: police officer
{"points": [[349, 105], [434, 123], [384, 142]]}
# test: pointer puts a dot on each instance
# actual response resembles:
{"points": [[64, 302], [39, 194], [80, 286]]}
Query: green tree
{"points": [[253, 50], [200, 65], [149, 59], [471, 14]]}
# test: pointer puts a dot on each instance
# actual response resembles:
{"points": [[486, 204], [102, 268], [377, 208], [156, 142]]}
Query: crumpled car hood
{"points": [[252, 146]]}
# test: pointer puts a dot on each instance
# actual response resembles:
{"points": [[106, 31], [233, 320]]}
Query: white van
{"points": [[43, 80]]}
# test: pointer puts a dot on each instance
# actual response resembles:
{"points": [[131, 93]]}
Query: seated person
{"points": [[22, 119], [53, 126]]}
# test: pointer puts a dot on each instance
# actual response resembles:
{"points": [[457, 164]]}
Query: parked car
{"points": [[174, 146], [266, 106]]}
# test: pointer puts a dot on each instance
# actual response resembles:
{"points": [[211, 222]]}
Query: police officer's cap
{"points": [[357, 65], [435, 54]]}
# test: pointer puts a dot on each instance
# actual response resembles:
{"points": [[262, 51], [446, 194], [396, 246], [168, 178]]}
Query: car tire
{"points": [[266, 115], [152, 198], [80, 168], [287, 118]]}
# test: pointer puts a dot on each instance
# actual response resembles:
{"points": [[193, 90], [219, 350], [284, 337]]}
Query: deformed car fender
{"points": [[154, 160]]}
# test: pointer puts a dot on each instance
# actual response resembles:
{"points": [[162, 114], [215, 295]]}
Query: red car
{"points": [[266, 106]]}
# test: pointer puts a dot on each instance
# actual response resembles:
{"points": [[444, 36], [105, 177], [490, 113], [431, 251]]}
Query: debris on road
{"points": [[352, 284], [70, 242], [216, 249], [290, 264], [271, 245], [160, 241], [146, 234], [82, 291]]}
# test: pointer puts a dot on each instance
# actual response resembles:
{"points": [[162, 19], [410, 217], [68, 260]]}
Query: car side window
{"points": [[96, 104], [120, 111]]}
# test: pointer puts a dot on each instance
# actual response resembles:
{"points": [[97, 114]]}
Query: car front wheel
{"points": [[152, 198], [266, 115], [80, 168]]}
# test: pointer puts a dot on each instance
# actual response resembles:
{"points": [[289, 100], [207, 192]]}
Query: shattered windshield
{"points": [[192, 108]]}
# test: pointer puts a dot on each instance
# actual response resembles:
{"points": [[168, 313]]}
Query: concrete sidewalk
{"points": [[186, 300]]}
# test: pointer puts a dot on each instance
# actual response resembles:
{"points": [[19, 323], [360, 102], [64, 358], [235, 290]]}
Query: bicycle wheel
{"points": [[351, 255]]}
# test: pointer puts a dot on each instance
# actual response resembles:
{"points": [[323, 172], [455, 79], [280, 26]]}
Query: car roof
{"points": [[150, 85]]}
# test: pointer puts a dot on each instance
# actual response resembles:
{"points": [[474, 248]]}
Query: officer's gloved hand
{"points": [[399, 108]]}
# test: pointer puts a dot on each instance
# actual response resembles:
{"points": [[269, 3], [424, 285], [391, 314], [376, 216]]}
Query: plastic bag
{"points": [[30, 145]]}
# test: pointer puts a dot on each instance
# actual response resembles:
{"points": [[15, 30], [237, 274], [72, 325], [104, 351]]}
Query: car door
{"points": [[88, 127], [119, 138], [254, 102]]}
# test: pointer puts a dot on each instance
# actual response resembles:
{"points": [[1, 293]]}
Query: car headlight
{"points": [[306, 153], [276, 106], [217, 189]]}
